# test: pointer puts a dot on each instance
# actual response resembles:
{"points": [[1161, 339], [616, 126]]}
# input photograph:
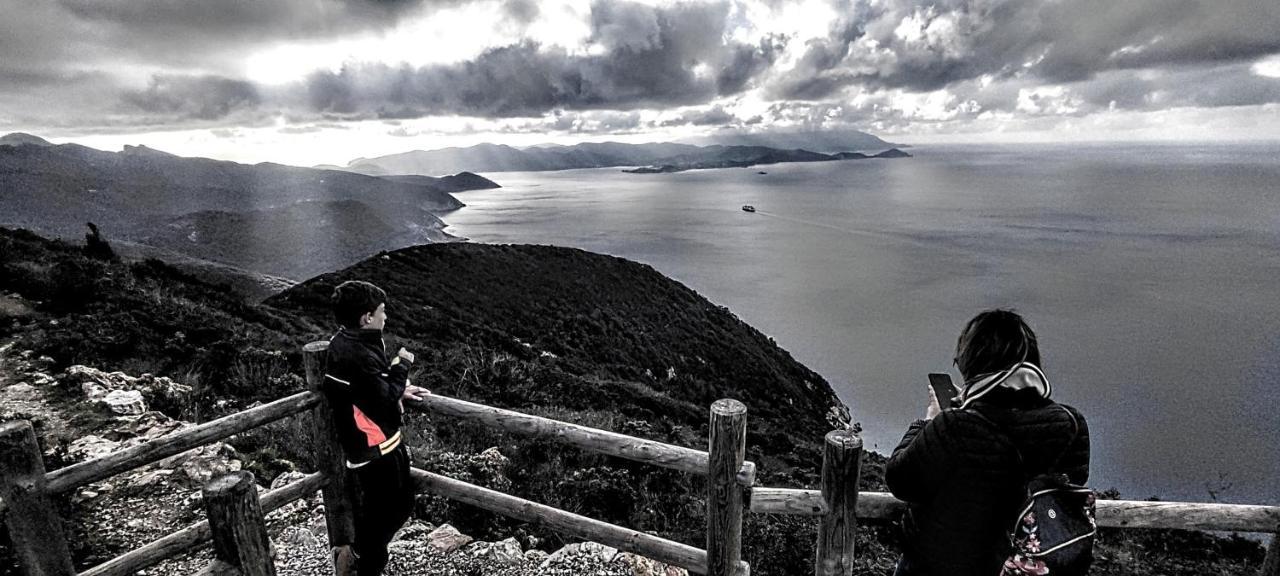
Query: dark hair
{"points": [[353, 299], [993, 341]]}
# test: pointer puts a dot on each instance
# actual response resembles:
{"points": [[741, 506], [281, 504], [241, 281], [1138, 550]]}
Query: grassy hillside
{"points": [[558, 332], [295, 241]]}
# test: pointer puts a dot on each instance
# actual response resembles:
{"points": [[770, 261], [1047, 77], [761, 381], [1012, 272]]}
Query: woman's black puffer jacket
{"points": [[960, 476]]}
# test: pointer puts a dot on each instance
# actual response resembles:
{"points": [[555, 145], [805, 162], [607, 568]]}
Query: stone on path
{"points": [[446, 539]]}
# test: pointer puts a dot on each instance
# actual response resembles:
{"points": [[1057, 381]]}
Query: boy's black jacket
{"points": [[364, 390]]}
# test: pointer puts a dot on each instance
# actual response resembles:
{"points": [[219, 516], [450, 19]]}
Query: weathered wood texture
{"points": [[660, 549], [787, 501], [77, 475], [727, 446], [235, 519], [194, 536], [591, 439], [1188, 515], [338, 510], [841, 460], [35, 531], [1271, 565], [1111, 513]]}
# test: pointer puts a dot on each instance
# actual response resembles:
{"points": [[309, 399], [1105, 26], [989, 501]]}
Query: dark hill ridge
{"points": [[551, 331], [146, 196], [746, 156], [20, 138], [825, 141], [501, 158], [603, 318], [59, 188], [459, 182]]}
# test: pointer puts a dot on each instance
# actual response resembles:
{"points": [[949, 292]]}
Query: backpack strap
{"points": [[1075, 424]]}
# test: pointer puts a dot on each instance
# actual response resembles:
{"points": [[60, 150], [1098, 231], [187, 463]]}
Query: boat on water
{"points": [[748, 208]]}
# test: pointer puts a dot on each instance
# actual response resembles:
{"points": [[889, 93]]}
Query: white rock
{"points": [[90, 447], [413, 530], [93, 391], [641, 566], [506, 552], [604, 553], [286, 478], [150, 478], [209, 461], [446, 539], [21, 391], [96, 383], [125, 402], [535, 556]]}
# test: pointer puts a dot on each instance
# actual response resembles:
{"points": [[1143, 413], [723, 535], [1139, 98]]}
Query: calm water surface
{"points": [[1149, 272]]}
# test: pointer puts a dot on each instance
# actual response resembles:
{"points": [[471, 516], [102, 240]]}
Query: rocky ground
{"points": [[83, 413]]}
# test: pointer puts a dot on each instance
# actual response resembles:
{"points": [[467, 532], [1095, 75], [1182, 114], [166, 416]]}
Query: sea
{"points": [[1150, 272]]}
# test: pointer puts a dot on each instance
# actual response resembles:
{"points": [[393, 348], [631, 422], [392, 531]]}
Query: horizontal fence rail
{"points": [[25, 488], [592, 439], [1111, 513], [199, 533], [77, 475], [648, 545]]}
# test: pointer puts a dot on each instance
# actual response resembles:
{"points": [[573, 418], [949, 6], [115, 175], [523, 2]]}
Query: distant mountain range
{"points": [[744, 156], [268, 218], [824, 141], [710, 152]]}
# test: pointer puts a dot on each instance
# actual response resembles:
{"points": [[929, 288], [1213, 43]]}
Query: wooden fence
{"points": [[236, 529]]}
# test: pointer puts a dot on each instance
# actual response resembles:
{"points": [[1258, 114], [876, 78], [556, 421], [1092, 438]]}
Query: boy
{"points": [[365, 391]]}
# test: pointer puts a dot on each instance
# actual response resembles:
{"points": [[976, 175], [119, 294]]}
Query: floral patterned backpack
{"points": [[1053, 532]]}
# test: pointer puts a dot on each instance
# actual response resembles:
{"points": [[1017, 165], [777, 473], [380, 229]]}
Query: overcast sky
{"points": [[310, 81]]}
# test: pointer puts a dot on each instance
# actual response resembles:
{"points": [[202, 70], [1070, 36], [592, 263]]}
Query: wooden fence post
{"points": [[727, 447], [34, 526], [338, 514], [239, 531], [841, 463], [1271, 566]]}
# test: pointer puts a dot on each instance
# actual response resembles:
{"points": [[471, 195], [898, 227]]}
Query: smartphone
{"points": [[942, 388]]}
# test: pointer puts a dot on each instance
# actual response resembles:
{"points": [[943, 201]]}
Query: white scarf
{"points": [[1019, 376]]}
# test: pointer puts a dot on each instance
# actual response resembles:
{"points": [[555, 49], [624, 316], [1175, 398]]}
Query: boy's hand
{"points": [[416, 393], [405, 355]]}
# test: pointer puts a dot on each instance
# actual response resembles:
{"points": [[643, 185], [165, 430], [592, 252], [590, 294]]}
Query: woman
{"points": [[962, 471]]}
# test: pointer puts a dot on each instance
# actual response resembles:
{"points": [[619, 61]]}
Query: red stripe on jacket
{"points": [[372, 432]]}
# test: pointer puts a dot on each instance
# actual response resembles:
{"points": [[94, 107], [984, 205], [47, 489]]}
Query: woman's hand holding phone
{"points": [[940, 393]]}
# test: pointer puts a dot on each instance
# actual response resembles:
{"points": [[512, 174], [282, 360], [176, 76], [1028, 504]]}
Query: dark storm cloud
{"points": [[194, 97], [114, 65], [237, 20], [928, 45], [1203, 87], [211, 36], [745, 62], [651, 57], [714, 116], [644, 57]]}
